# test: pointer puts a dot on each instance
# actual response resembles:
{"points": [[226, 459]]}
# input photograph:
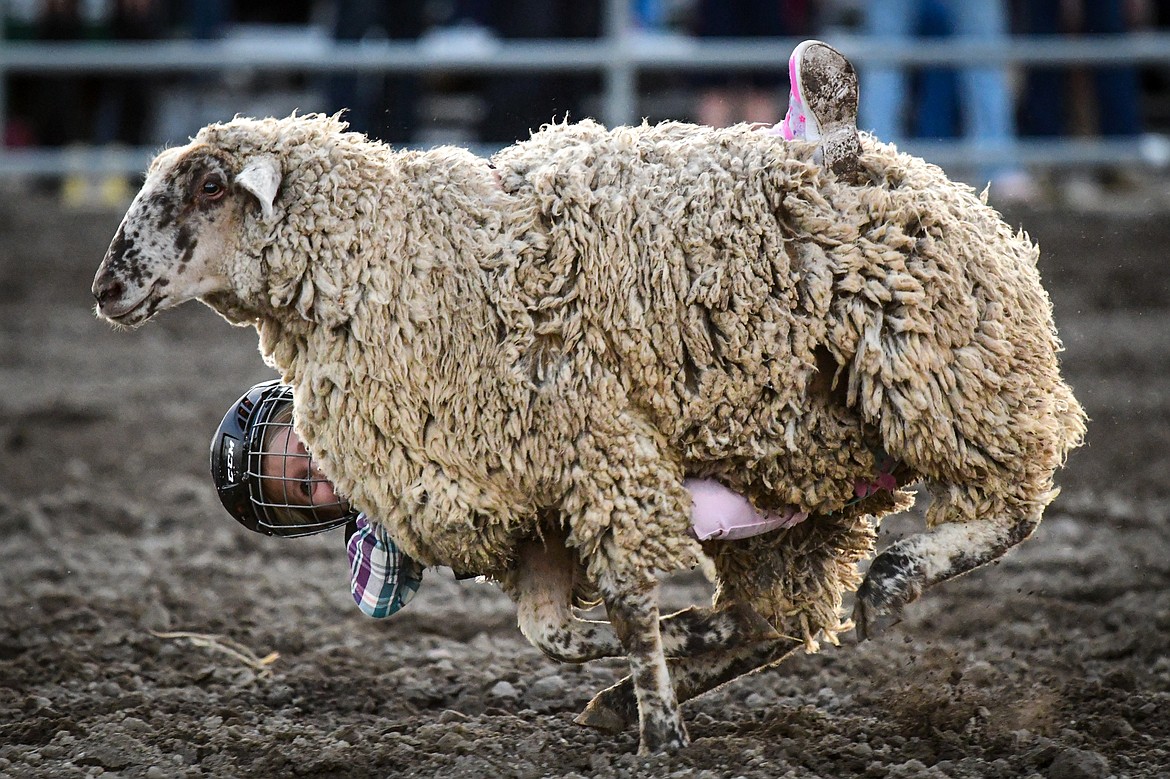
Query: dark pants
{"points": [[1044, 109]]}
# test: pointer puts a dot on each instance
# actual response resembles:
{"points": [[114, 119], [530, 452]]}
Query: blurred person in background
{"points": [[519, 103], [127, 100], [206, 19], [495, 108], [935, 113], [381, 106], [1057, 101], [62, 105], [745, 96], [62, 108], [20, 24], [986, 103]]}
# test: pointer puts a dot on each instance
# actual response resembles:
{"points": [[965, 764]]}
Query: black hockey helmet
{"points": [[261, 502]]}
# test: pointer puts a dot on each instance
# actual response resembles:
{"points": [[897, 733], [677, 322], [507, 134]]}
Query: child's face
{"points": [[292, 477]]}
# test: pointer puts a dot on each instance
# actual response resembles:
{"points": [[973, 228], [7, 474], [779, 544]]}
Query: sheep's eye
{"points": [[211, 189]]}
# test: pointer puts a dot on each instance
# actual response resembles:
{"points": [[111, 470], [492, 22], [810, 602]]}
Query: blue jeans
{"points": [[937, 95], [986, 103]]}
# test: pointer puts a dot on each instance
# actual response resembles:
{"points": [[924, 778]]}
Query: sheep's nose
{"points": [[105, 290], [106, 284]]}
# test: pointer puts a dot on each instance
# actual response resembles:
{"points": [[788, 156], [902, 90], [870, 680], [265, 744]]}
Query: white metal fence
{"points": [[621, 56]]}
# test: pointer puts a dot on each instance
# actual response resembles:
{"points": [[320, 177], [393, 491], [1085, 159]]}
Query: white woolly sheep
{"points": [[513, 364]]}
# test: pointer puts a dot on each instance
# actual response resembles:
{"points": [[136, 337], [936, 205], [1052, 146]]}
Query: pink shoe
{"points": [[822, 104], [794, 125]]}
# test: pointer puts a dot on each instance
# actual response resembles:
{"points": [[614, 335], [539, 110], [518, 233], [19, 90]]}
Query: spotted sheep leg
{"points": [[633, 612], [615, 708], [952, 547], [543, 594]]}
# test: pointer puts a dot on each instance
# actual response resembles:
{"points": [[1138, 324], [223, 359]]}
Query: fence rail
{"points": [[620, 57], [644, 51]]}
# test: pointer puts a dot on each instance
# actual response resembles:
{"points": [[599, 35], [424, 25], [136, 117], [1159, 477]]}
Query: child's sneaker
{"points": [[822, 104]]}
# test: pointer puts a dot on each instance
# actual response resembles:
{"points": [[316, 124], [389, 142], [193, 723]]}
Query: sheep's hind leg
{"points": [[615, 708], [543, 592], [544, 595], [906, 569]]}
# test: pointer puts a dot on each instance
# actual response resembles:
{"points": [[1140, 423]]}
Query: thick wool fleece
{"points": [[567, 334]]}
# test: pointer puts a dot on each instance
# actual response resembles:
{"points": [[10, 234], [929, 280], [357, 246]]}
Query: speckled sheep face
{"points": [[173, 243]]}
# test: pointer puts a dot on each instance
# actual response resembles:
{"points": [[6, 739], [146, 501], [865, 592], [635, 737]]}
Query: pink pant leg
{"points": [[720, 513]]}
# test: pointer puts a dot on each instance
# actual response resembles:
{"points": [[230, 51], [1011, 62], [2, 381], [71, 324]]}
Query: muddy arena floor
{"points": [[144, 634]]}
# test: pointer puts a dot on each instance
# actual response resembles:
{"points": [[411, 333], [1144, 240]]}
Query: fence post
{"points": [[619, 103]]}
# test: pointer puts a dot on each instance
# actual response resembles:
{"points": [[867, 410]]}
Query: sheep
{"points": [[513, 364]]}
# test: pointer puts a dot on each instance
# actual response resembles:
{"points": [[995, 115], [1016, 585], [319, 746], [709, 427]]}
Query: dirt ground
{"points": [[144, 634]]}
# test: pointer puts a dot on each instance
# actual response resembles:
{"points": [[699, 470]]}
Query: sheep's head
{"points": [[179, 234]]}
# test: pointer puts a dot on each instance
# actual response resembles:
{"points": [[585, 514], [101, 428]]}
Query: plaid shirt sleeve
{"points": [[382, 578]]}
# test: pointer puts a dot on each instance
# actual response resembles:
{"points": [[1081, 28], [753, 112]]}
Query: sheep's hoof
{"points": [[893, 580], [869, 622], [612, 710], [665, 739]]}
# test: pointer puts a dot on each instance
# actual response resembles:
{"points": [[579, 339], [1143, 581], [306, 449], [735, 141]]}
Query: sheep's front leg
{"points": [[633, 612]]}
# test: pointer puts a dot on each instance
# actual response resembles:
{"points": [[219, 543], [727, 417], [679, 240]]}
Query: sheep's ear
{"points": [[261, 177]]}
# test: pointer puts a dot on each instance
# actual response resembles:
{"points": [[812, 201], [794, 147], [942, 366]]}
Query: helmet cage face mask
{"points": [[250, 459]]}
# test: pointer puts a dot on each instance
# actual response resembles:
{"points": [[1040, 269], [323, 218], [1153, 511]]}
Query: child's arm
{"points": [[382, 577]]}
